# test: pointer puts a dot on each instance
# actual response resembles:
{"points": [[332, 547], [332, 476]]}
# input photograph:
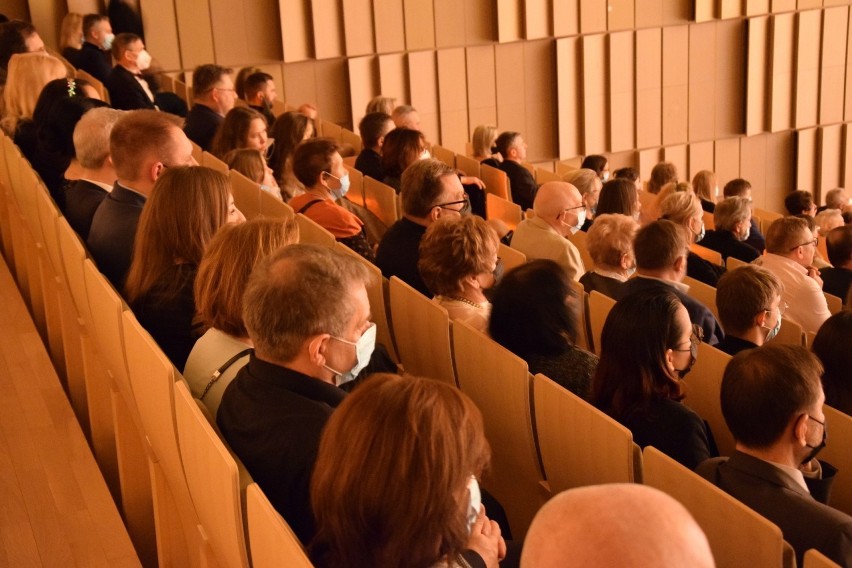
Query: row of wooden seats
{"points": [[178, 485]]}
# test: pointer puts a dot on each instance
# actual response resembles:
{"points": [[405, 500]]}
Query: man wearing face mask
{"points": [[94, 56], [750, 308], [318, 166], [732, 220], [772, 400], [559, 211], [307, 313], [128, 89]]}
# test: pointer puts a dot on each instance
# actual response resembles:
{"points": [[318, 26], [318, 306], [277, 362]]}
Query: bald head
{"points": [[555, 203], [615, 525]]}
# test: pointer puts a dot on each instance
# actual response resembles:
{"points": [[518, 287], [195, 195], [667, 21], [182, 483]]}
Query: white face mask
{"points": [[605, 176], [143, 60], [425, 155], [475, 503], [363, 351], [747, 233], [106, 44], [581, 218]]}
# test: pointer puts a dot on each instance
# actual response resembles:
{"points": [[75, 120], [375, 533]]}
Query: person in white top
{"points": [[790, 248]]}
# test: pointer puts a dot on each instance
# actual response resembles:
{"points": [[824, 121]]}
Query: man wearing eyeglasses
{"points": [[790, 248], [772, 400], [213, 89]]}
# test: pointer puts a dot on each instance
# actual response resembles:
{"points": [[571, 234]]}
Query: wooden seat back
{"points": [[703, 386], [599, 307], [271, 540]]}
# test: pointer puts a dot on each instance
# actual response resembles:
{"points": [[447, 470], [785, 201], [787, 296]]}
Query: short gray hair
{"points": [[296, 293], [583, 179], [731, 211], [91, 136]]}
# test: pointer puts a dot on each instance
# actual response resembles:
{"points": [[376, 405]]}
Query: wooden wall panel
{"points": [[753, 164], [807, 68], [730, 9], [594, 94], [568, 88], [423, 80], [358, 27], [833, 64], [509, 20], [449, 24], [677, 155], [452, 98], [649, 92], [756, 7], [509, 67], [482, 86], [806, 159], [676, 12], [620, 15], [196, 36], [295, 35], [730, 73], [363, 85], [539, 104], [847, 155], [566, 18], [829, 153], [702, 81], [46, 16], [675, 84], [779, 6], [622, 92], [700, 157], [647, 159], [393, 77], [593, 14], [705, 10], [808, 4], [161, 33], [389, 23], [536, 19], [757, 75], [649, 13], [847, 101], [781, 85], [479, 21], [419, 24], [726, 155], [779, 170], [331, 87]]}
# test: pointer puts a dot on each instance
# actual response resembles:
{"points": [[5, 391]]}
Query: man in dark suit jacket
{"points": [[213, 89], [128, 89], [732, 219], [142, 145], [373, 129], [774, 470], [94, 56], [742, 187], [512, 147], [837, 279], [661, 250]]}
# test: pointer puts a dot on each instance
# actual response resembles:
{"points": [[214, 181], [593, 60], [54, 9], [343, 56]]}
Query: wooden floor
{"points": [[55, 509]]}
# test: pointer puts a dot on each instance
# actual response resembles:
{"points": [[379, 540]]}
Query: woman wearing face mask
{"points": [[317, 164], [648, 345], [535, 317], [598, 164], [459, 263], [610, 244], [395, 481], [684, 208], [589, 185], [732, 219]]}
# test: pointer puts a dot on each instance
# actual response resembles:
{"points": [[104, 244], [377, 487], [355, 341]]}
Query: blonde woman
{"points": [[483, 140], [71, 36], [28, 73], [684, 208]]}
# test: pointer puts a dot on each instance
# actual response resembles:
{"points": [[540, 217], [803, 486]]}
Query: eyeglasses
{"points": [[224, 89], [695, 337], [446, 205], [782, 307], [814, 242]]}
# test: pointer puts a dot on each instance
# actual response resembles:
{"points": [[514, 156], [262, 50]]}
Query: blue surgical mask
{"points": [[363, 351], [344, 185], [700, 234], [775, 329], [475, 503]]}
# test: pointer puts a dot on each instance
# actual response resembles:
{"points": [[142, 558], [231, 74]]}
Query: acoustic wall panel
{"points": [[676, 12], [620, 15], [450, 24], [705, 10], [161, 32], [756, 7], [649, 13], [622, 92], [363, 85], [806, 159], [196, 35], [509, 20], [757, 75], [702, 81], [509, 66], [566, 18], [568, 99], [649, 92], [419, 24], [539, 103], [479, 18], [847, 155], [847, 101], [328, 28], [730, 73], [675, 84], [358, 27], [295, 34], [830, 160], [677, 155], [423, 78], [647, 159], [753, 164], [808, 4], [389, 23], [536, 19], [482, 86], [331, 86], [452, 98], [393, 77], [779, 170], [833, 64], [726, 155], [781, 81], [807, 68], [593, 15], [779, 6], [730, 9], [594, 94], [700, 158]]}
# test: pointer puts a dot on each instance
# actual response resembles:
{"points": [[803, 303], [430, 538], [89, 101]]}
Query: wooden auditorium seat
{"points": [[703, 387], [271, 540], [208, 160], [599, 307], [702, 292], [310, 232], [496, 181], [381, 200], [837, 453], [512, 258]]}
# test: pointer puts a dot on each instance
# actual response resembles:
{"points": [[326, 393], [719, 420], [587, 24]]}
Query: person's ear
{"points": [[316, 348], [680, 264], [157, 170], [435, 213], [800, 429], [625, 261], [381, 141], [670, 360], [760, 318]]}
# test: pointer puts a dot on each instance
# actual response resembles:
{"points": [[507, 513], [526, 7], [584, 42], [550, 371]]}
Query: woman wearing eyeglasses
{"points": [[648, 345]]}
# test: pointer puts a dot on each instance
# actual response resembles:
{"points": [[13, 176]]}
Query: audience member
{"points": [[831, 345], [401, 148], [308, 316], [373, 129], [535, 316], [251, 163], [27, 75], [240, 80], [94, 57], [589, 184], [214, 94], [750, 308], [559, 211], [772, 401], [827, 220], [836, 198], [71, 37], [602, 526], [742, 188], [381, 104], [732, 219], [790, 248], [242, 128], [705, 187], [662, 174], [684, 208], [125, 17], [458, 262], [648, 345], [319, 168], [483, 144], [629, 174], [838, 279], [430, 190], [800, 202], [427, 507], [142, 145], [186, 207], [97, 174], [661, 249], [597, 164], [513, 149], [128, 88], [224, 348], [610, 244], [260, 93], [288, 131], [619, 196], [17, 36], [406, 116], [818, 262]]}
